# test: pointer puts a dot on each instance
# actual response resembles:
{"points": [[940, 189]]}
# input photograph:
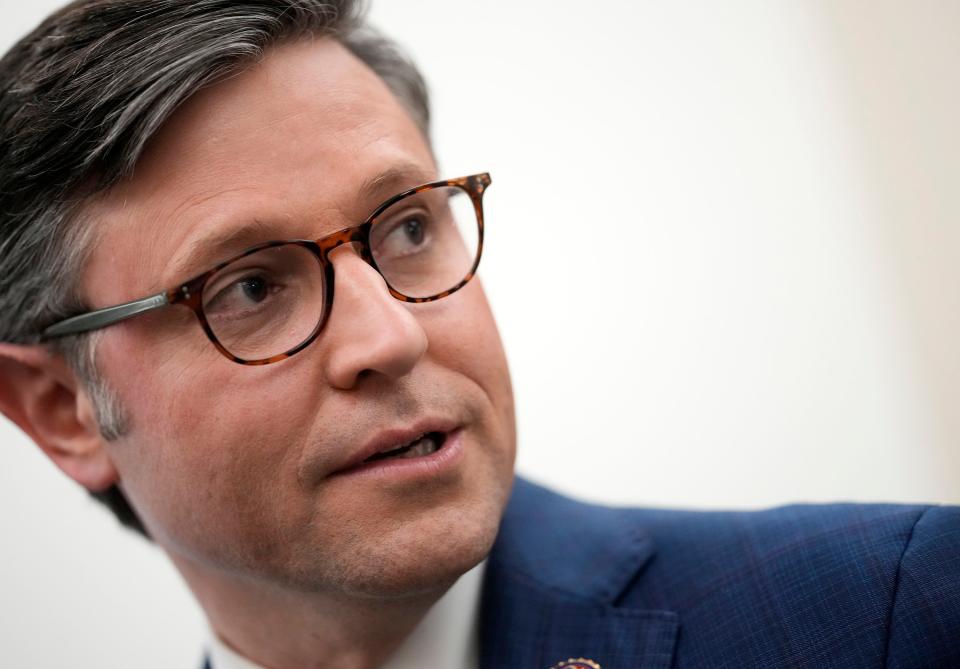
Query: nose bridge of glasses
{"points": [[357, 271], [355, 235]]}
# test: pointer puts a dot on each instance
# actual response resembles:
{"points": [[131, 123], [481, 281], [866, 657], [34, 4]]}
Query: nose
{"points": [[368, 331]]}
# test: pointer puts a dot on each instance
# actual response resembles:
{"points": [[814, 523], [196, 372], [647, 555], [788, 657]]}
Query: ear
{"points": [[41, 394]]}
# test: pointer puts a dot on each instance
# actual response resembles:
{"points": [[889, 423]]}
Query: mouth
{"points": [[430, 453], [427, 443], [427, 448]]}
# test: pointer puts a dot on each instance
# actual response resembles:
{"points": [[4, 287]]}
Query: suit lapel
{"points": [[553, 582]]}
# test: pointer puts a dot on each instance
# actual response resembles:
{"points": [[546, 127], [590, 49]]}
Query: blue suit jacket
{"points": [[812, 586], [840, 585]]}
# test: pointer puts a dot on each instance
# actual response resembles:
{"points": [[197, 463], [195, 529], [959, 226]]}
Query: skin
{"points": [[229, 466]]}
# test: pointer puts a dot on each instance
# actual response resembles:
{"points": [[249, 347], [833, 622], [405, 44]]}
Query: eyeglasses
{"points": [[271, 301]]}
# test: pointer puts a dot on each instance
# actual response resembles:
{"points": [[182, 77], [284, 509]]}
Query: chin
{"points": [[426, 556]]}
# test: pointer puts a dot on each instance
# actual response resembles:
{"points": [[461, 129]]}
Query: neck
{"points": [[283, 629]]}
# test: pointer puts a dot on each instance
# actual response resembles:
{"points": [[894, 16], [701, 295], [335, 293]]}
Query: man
{"points": [[240, 307]]}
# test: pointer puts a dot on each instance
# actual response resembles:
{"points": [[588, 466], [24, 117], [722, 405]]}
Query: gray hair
{"points": [[80, 98]]}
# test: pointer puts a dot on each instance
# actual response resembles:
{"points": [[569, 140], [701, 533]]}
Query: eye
{"points": [[265, 302], [403, 237], [254, 288], [240, 295], [414, 230]]}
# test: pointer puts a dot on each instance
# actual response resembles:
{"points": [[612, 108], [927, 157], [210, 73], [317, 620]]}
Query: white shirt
{"points": [[448, 636]]}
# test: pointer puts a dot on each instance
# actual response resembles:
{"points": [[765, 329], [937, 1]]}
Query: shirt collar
{"points": [[448, 636]]}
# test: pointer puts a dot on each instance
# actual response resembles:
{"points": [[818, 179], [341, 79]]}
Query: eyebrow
{"points": [[408, 174], [207, 250]]}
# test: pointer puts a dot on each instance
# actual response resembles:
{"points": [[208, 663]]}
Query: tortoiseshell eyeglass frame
{"points": [[190, 293]]}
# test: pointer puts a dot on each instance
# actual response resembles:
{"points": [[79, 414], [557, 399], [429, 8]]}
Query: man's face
{"points": [[231, 467]]}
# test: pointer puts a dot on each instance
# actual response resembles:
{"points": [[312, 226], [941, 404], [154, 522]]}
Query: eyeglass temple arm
{"points": [[94, 320]]}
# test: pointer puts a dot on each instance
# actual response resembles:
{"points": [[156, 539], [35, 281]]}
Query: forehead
{"points": [[287, 143]]}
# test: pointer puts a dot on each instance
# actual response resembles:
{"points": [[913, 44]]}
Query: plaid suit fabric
{"points": [[791, 587], [840, 585], [552, 579], [925, 622], [524, 628]]}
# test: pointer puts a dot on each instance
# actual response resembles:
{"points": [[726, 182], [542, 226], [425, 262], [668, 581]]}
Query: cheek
{"points": [[210, 446], [463, 337], [461, 330], [473, 341]]}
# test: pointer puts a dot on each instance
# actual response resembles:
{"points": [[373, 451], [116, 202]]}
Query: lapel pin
{"points": [[578, 663]]}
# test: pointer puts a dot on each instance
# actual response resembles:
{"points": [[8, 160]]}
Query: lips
{"points": [[420, 440]]}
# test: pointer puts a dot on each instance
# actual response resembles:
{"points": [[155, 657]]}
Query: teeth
{"points": [[424, 445]]}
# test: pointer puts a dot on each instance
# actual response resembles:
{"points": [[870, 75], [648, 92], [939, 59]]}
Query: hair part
{"points": [[81, 97]]}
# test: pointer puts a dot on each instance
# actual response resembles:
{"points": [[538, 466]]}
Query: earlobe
{"points": [[39, 392]]}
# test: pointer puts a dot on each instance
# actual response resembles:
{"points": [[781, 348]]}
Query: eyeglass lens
{"points": [[271, 301]]}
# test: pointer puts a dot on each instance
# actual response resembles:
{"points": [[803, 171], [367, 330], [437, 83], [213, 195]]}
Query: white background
{"points": [[723, 249]]}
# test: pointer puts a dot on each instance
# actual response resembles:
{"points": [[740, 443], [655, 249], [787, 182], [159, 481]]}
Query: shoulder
{"points": [[926, 607], [878, 580]]}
